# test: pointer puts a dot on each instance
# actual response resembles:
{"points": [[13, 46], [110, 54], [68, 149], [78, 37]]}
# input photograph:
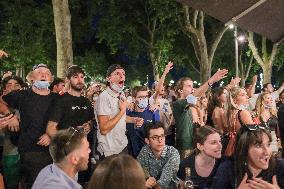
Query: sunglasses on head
{"points": [[254, 127]]}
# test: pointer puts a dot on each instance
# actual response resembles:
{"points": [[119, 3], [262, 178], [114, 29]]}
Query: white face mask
{"points": [[267, 106], [191, 99], [243, 107], [117, 88], [143, 103]]}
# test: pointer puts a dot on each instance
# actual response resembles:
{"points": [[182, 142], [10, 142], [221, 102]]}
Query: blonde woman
{"points": [[237, 115], [266, 113]]}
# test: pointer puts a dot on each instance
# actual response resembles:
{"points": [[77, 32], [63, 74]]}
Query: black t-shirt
{"points": [[199, 182], [34, 110], [71, 111]]}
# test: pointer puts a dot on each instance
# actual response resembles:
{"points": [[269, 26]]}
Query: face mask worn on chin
{"points": [[117, 88], [191, 99], [143, 103], [268, 106], [41, 84]]}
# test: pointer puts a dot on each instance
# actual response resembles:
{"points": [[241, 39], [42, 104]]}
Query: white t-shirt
{"points": [[114, 141], [165, 111]]}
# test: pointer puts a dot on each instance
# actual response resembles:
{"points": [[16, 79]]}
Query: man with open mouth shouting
{"points": [[111, 114], [34, 106]]}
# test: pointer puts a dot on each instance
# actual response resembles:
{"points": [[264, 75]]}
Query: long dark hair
{"points": [[245, 139], [213, 100]]}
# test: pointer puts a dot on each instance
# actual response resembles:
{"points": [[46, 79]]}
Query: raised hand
{"points": [[235, 81], [3, 53], [254, 79], [220, 74], [169, 66]]}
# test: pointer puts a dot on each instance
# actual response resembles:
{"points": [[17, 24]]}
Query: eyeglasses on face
{"points": [[157, 138], [142, 97]]}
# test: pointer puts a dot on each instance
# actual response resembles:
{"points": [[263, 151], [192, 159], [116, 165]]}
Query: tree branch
{"points": [[216, 42], [249, 67], [273, 53], [254, 50]]}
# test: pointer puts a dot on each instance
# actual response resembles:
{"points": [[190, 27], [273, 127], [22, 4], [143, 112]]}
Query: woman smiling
{"points": [[252, 165]]}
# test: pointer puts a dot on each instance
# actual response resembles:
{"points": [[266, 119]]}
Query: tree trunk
{"points": [[267, 71], [205, 68], [62, 22], [265, 60], [155, 66], [195, 31]]}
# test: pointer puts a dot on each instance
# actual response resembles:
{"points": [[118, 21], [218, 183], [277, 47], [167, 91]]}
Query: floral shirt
{"points": [[163, 169]]}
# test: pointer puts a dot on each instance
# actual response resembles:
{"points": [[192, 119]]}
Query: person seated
{"points": [[159, 161], [69, 150], [118, 172], [252, 165], [204, 160]]}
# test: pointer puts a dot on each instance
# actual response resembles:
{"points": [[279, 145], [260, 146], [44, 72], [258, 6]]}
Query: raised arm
{"points": [[162, 80], [3, 53], [251, 91], [216, 77]]}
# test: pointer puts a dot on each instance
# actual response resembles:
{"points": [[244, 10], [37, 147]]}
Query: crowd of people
{"points": [[60, 133]]}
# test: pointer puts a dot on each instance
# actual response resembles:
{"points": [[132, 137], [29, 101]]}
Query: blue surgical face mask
{"points": [[117, 88], [191, 99], [143, 103], [41, 84]]}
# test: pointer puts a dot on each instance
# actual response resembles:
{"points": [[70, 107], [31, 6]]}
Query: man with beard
{"points": [[72, 109], [111, 114], [70, 151], [34, 107]]}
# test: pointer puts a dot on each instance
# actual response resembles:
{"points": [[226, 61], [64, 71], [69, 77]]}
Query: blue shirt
{"points": [[136, 134], [52, 177]]}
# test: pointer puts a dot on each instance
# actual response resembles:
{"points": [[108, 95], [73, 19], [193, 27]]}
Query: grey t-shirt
{"points": [[114, 141]]}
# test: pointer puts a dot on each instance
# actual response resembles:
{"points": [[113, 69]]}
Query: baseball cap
{"points": [[39, 66], [112, 68]]}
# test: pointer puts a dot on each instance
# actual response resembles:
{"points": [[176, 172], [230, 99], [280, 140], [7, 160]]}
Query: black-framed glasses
{"points": [[158, 138]]}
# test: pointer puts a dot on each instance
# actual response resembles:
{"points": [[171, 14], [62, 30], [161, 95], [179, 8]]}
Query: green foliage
{"points": [[27, 34], [95, 65]]}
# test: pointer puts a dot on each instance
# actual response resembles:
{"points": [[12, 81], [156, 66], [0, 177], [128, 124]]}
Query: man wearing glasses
{"points": [[137, 118], [70, 151], [159, 161]]}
